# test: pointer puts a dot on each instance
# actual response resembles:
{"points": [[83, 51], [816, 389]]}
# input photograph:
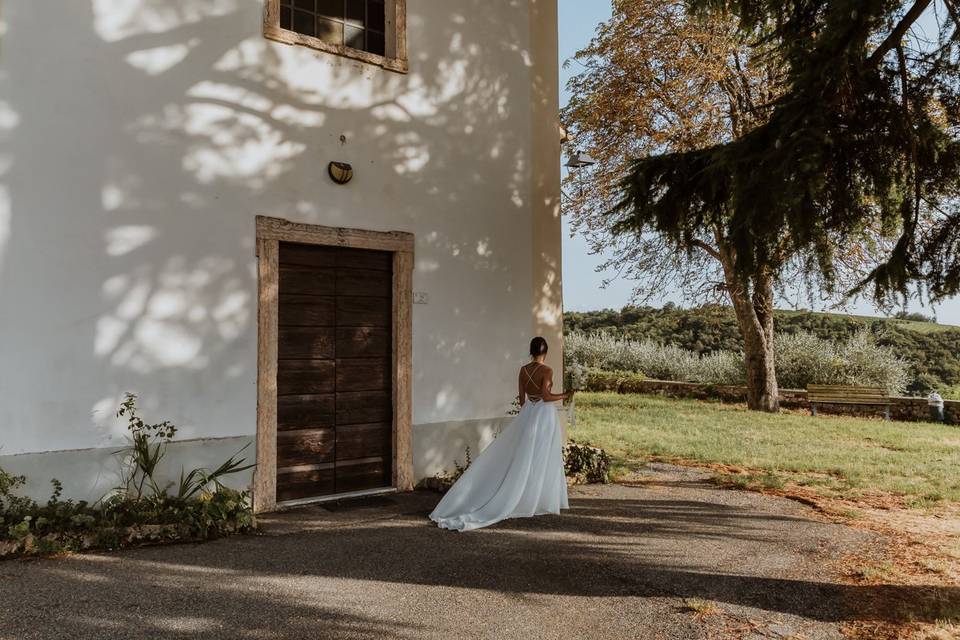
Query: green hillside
{"points": [[932, 349]]}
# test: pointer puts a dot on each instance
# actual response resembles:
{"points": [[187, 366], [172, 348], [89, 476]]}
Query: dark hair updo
{"points": [[538, 347]]}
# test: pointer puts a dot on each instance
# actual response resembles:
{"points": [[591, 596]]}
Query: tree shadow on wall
{"points": [[131, 236]]}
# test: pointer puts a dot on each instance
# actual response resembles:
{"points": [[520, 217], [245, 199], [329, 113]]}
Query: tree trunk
{"points": [[754, 313], [756, 324]]}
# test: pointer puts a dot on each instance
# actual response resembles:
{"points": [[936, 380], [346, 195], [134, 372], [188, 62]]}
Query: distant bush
{"points": [[632, 383], [932, 350], [801, 359], [600, 380], [863, 361], [615, 381], [603, 352], [721, 367], [914, 317]]}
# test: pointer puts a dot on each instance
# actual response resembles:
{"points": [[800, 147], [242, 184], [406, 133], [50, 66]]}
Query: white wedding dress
{"points": [[519, 475]]}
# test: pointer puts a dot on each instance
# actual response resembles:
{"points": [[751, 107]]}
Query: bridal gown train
{"points": [[520, 474]]}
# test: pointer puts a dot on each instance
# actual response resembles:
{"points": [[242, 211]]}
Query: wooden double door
{"points": [[334, 371]]}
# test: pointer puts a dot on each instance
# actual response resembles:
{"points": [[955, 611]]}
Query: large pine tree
{"points": [[660, 81], [863, 135]]}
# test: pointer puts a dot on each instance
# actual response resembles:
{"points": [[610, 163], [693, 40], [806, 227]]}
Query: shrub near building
{"points": [[141, 511]]}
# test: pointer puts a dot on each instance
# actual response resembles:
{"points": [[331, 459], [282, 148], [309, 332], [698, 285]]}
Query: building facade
{"points": [[171, 225]]}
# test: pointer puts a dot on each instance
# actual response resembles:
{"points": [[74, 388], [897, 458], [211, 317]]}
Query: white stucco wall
{"points": [[138, 140]]}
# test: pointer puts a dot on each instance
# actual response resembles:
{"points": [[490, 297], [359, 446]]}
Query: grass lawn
{"points": [[837, 455]]}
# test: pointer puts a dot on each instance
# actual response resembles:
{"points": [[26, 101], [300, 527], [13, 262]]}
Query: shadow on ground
{"points": [[624, 560]]}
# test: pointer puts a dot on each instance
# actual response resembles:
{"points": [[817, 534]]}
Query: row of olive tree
{"points": [[801, 359]]}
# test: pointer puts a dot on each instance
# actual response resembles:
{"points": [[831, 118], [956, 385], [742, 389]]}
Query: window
{"points": [[358, 24], [368, 30]]}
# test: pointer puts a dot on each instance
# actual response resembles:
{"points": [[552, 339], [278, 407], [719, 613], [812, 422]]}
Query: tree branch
{"points": [[952, 10], [745, 83], [896, 35], [707, 248], [901, 57]]}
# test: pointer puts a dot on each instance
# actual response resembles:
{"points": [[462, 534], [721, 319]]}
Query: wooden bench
{"points": [[844, 394]]}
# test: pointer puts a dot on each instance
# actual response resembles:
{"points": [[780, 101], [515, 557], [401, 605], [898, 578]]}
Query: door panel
{"points": [[306, 411], [363, 374], [357, 475], [307, 281], [363, 342], [302, 377], [306, 446], [308, 481], [308, 311], [306, 255], [306, 343], [364, 282], [364, 407], [363, 312], [365, 259], [363, 440], [334, 371]]}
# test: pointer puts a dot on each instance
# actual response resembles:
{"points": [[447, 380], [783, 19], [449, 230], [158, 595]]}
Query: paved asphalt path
{"points": [[672, 557]]}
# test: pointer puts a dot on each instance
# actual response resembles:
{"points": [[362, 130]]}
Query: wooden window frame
{"points": [[270, 233], [395, 34]]}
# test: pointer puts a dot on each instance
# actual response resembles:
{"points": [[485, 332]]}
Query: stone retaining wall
{"points": [[902, 408], [697, 391]]}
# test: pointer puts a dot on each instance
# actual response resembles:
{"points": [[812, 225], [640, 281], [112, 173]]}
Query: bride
{"points": [[521, 473]]}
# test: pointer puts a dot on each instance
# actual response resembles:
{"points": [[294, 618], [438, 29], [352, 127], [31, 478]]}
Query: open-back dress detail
{"points": [[519, 475]]}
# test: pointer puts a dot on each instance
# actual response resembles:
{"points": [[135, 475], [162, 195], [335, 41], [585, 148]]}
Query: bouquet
{"points": [[575, 379]]}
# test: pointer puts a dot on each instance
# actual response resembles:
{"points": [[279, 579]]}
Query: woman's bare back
{"points": [[533, 379]]}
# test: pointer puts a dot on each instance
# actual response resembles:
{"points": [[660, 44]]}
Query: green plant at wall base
{"points": [[10, 503], [8, 483], [444, 479], [585, 463], [196, 481], [118, 520], [25, 521], [458, 469], [148, 447], [141, 511]]}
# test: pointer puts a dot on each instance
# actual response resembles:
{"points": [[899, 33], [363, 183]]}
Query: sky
{"points": [[582, 285]]}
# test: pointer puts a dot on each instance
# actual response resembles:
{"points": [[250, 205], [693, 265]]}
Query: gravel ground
{"points": [[672, 557]]}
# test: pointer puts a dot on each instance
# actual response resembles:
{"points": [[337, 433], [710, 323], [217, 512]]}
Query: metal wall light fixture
{"points": [[578, 160], [340, 172]]}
